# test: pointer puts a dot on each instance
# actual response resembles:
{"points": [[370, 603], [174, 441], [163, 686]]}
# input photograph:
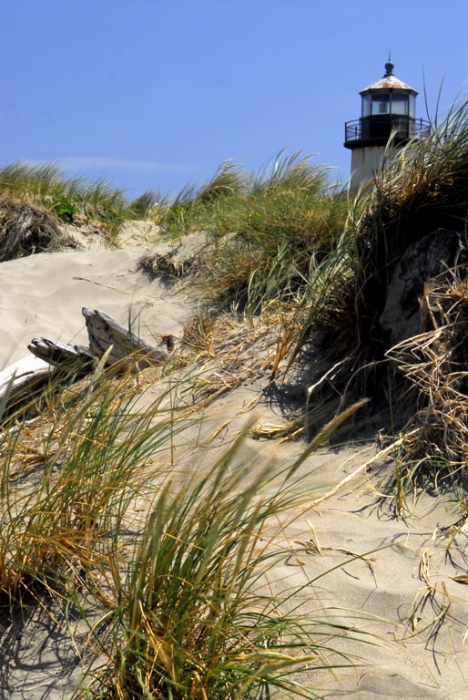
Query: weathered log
{"points": [[420, 263], [24, 375], [59, 354], [104, 331]]}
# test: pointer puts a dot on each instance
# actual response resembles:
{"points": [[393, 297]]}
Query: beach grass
{"points": [[190, 616], [99, 507], [422, 190], [63, 478], [269, 231]]}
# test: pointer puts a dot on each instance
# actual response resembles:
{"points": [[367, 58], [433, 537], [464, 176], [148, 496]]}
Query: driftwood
{"points": [[49, 357], [104, 331], [59, 354]]}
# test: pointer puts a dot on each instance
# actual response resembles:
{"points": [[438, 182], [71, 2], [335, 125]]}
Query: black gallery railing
{"points": [[380, 127]]}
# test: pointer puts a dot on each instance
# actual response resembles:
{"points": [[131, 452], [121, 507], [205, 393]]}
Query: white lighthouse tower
{"points": [[388, 108]]}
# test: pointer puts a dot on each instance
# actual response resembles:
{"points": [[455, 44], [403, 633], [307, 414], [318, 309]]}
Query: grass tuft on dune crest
{"points": [[72, 199], [269, 232]]}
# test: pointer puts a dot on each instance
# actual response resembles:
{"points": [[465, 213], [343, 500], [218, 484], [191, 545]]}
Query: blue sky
{"points": [[155, 94]]}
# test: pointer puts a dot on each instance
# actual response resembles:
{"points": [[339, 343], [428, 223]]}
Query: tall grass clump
{"points": [[101, 504], [268, 231], [193, 615], [421, 194], [67, 479]]}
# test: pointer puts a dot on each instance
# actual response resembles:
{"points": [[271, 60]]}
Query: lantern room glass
{"points": [[400, 104], [391, 102], [366, 106], [381, 104]]}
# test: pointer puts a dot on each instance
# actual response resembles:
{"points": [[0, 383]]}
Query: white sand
{"points": [[382, 594]]}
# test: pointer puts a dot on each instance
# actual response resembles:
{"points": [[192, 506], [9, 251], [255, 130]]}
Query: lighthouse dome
{"points": [[389, 82]]}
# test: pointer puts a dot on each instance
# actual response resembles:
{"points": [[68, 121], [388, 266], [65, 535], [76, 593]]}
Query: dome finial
{"points": [[389, 66]]}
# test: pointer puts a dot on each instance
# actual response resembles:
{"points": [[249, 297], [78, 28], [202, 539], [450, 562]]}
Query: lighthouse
{"points": [[388, 109]]}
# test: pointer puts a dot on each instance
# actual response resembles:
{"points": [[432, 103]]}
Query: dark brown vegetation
{"points": [[26, 228]]}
